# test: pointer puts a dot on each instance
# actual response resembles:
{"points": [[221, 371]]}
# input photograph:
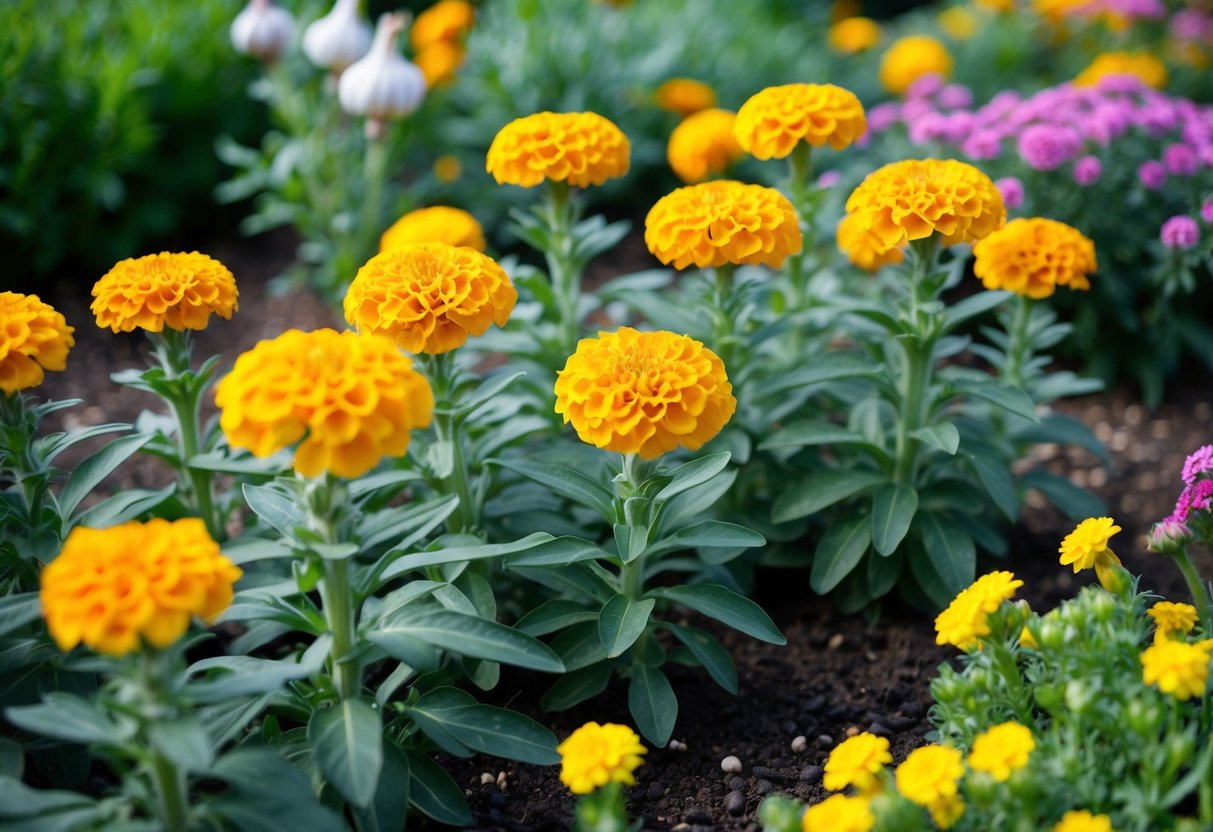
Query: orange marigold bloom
{"points": [[685, 96], [582, 149], [33, 337], [644, 392], [437, 224], [703, 144], [854, 34], [110, 587], [178, 291], [913, 199], [429, 297], [909, 59], [445, 21], [864, 249], [438, 62], [774, 120], [722, 222], [1143, 65], [1033, 257], [351, 398]]}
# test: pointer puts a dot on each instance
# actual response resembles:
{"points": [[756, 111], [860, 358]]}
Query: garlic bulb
{"points": [[338, 39], [262, 30], [383, 85]]}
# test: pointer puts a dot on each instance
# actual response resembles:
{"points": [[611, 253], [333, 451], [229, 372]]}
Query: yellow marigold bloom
{"points": [[855, 762], [351, 398], [447, 168], [1056, 11], [702, 145], [1084, 547], [443, 22], [1083, 821], [595, 755], [864, 249], [930, 774], [110, 587], [33, 337], [947, 810], [178, 291], [1170, 618], [854, 34], [910, 58], [438, 224], [1143, 65], [429, 297], [685, 96], [644, 392], [964, 621], [913, 199], [438, 62], [774, 120], [995, 5], [1002, 750], [1177, 667], [579, 148], [958, 22], [839, 813], [715, 223], [1033, 257]]}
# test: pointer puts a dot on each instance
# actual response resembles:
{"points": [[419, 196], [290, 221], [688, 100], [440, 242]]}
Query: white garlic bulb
{"points": [[262, 30], [338, 39], [383, 85]]}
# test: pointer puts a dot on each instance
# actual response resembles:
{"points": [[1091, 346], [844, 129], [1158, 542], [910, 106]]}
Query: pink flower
{"points": [[1197, 463], [1196, 497], [1206, 211], [1011, 190], [828, 179], [925, 86], [1047, 147], [982, 144], [883, 116], [955, 97], [1087, 171], [1169, 536], [1180, 232], [1180, 160], [1152, 174]]}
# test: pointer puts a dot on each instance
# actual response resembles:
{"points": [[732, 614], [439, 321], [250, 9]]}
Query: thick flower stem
{"points": [[724, 316], [918, 350], [440, 370], [635, 472], [1200, 595], [339, 611], [169, 781], [562, 268], [171, 793], [1020, 348], [800, 168]]}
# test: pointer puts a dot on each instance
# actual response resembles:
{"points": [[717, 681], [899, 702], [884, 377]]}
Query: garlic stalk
{"points": [[383, 85]]}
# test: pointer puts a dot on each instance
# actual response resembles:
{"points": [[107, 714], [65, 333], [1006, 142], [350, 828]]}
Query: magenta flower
{"points": [[1152, 175], [1180, 160], [1168, 536], [883, 116], [1180, 232], [955, 97], [982, 144], [925, 86], [1011, 190], [1206, 211], [1197, 463], [1048, 147], [1087, 171], [1196, 497], [828, 179]]}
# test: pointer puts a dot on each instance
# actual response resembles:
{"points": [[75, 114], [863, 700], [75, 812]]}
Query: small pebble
{"points": [[497, 800], [852, 730], [698, 816], [799, 744], [765, 787], [880, 730], [736, 783], [811, 774], [730, 765], [835, 641], [501, 780], [767, 773], [675, 745], [656, 790], [825, 741], [487, 779], [734, 803]]}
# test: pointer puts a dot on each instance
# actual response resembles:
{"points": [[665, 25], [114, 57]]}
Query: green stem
{"points": [[375, 171], [169, 781], [339, 611], [634, 474], [1020, 349], [441, 371], [562, 267], [171, 793], [724, 316], [1200, 595], [918, 350]]}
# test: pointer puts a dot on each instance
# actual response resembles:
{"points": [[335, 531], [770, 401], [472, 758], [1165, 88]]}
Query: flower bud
{"points": [[1049, 697], [262, 30], [1180, 748], [338, 39], [1144, 718], [1103, 607], [1169, 536], [779, 814], [382, 85], [1079, 695], [1052, 632]]}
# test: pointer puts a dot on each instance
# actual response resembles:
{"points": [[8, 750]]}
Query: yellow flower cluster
{"points": [[853, 34], [1002, 750], [703, 145], [33, 337], [839, 813], [1172, 619], [429, 297], [774, 120], [909, 59], [178, 291], [1141, 65], [644, 392], [1033, 257], [855, 762], [864, 249], [930, 777], [110, 587], [1177, 667], [595, 755], [964, 621], [437, 224], [581, 149], [685, 96], [913, 199], [716, 223], [437, 38], [1087, 545], [1083, 821], [351, 398]]}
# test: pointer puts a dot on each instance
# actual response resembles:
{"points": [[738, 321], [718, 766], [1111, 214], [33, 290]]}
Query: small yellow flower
{"points": [[929, 774], [1087, 546], [958, 22], [1033, 257], [1002, 750], [109, 588], [702, 145], [776, 119], [443, 22], [33, 338], [1172, 619], [178, 291], [854, 34], [909, 59], [1027, 640], [1177, 667], [352, 399], [685, 96], [864, 249], [722, 222], [582, 149], [1143, 65], [447, 168], [1083, 821], [595, 755], [644, 392], [439, 61], [946, 810], [964, 621], [855, 762], [438, 224], [839, 813]]}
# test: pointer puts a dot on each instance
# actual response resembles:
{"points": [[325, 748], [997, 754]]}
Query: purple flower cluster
{"points": [[1197, 463], [1197, 497], [1180, 232]]}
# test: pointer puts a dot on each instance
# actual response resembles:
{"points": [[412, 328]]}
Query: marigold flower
{"points": [[685, 96], [1083, 821], [1177, 667], [774, 120], [958, 22], [644, 392], [33, 337], [703, 144], [351, 398], [855, 762], [582, 149], [853, 34], [447, 168], [443, 22], [595, 755], [437, 224], [839, 813], [864, 249], [715, 223], [1002, 750], [909, 59], [1142, 65], [110, 587], [913, 199], [929, 774], [178, 291], [1033, 257], [429, 297], [947, 810], [438, 62], [1171, 618], [964, 621], [1084, 547]]}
